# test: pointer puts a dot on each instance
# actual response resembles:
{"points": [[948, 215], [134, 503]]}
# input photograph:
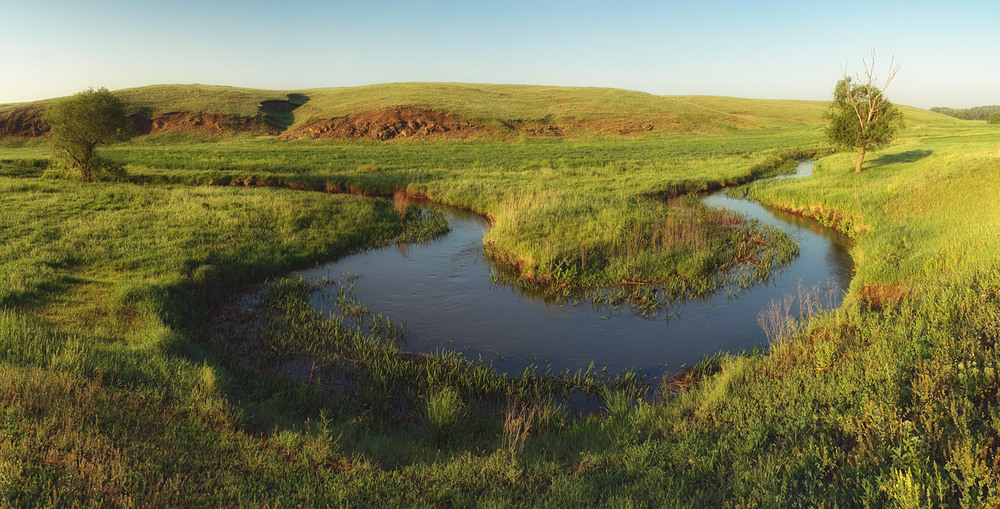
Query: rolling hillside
{"points": [[440, 110]]}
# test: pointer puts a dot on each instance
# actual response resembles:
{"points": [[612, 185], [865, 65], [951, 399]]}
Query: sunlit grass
{"points": [[111, 390], [921, 212]]}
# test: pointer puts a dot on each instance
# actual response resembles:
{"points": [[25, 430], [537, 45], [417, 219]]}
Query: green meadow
{"points": [[133, 374]]}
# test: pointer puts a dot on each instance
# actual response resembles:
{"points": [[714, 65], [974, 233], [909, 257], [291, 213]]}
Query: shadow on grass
{"points": [[910, 156], [280, 113]]}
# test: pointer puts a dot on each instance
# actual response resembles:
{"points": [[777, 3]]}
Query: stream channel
{"points": [[443, 292]]}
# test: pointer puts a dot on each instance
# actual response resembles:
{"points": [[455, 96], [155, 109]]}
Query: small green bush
{"points": [[618, 404], [443, 408]]}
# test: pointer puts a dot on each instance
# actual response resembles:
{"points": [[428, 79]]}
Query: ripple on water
{"points": [[443, 292]]}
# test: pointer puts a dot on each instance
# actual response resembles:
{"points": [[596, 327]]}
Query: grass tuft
{"points": [[443, 409]]}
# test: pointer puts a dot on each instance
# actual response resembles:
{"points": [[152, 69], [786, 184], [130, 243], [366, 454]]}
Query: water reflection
{"points": [[444, 293]]}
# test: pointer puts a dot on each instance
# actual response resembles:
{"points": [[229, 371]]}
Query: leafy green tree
{"points": [[860, 116], [82, 122], [994, 118]]}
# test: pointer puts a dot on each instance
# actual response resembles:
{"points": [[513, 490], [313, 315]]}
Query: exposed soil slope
{"points": [[386, 124], [23, 122], [206, 123]]}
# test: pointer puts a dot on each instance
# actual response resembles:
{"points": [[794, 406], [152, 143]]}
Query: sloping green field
{"points": [[576, 112]]}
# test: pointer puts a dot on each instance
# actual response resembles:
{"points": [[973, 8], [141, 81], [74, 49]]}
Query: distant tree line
{"points": [[976, 113]]}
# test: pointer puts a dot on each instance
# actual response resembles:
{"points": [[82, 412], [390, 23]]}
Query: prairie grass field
{"points": [[582, 213], [152, 353]]}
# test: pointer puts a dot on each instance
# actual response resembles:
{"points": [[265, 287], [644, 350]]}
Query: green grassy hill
{"points": [[443, 110]]}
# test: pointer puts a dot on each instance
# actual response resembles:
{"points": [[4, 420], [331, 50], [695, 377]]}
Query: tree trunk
{"points": [[861, 160], [86, 172]]}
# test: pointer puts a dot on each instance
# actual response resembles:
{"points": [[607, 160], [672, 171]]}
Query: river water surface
{"points": [[443, 292]]}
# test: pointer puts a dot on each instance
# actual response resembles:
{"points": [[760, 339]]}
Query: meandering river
{"points": [[443, 292]]}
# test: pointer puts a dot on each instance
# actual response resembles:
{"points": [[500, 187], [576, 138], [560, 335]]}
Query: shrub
{"points": [[443, 408]]}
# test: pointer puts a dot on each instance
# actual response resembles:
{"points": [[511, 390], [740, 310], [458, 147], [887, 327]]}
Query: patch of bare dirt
{"points": [[209, 123], [637, 127], [533, 127], [25, 122], [878, 297], [387, 124]]}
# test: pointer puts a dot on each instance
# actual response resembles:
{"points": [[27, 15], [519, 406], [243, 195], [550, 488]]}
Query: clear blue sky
{"points": [[949, 51]]}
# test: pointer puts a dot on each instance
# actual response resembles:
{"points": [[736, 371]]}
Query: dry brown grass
{"points": [[780, 324], [401, 201], [517, 425], [878, 297]]}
